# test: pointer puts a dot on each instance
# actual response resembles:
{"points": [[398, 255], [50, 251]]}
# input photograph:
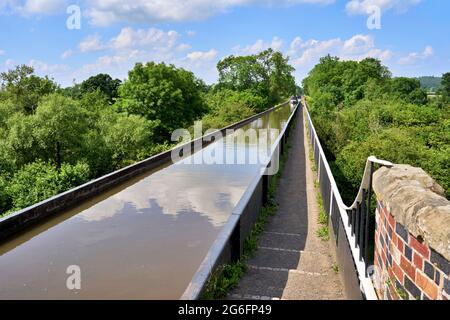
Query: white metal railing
{"points": [[355, 218]]}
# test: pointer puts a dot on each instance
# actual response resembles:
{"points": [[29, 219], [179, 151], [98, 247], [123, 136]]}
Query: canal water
{"points": [[144, 239]]}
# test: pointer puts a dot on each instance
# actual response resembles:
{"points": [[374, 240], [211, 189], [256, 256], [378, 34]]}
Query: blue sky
{"points": [[413, 38]]}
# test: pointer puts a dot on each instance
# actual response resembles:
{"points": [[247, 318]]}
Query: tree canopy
{"points": [[267, 74], [24, 89], [359, 110], [53, 139], [165, 93], [103, 83]]}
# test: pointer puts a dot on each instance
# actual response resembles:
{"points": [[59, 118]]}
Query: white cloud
{"points": [[130, 39], [2, 52], [45, 6], [362, 6], [91, 43], [312, 50], [106, 12], [202, 63], [10, 63], [33, 7], [130, 46], [357, 47], [117, 65], [200, 56], [66, 54], [155, 38], [358, 44], [46, 69], [191, 33], [184, 47], [305, 54], [260, 45], [414, 57]]}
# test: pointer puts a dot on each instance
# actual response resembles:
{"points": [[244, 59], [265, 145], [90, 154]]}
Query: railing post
{"points": [[362, 226], [357, 223], [369, 199], [352, 223]]}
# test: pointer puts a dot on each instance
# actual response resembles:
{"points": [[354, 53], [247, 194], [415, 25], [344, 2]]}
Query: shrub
{"points": [[41, 180]]}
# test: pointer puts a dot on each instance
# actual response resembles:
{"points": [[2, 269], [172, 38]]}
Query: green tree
{"points": [[165, 93], [408, 89], [358, 111], [104, 83], [130, 138], [266, 74], [19, 144], [229, 113], [5, 200], [445, 90], [40, 180], [282, 82], [24, 88], [217, 98], [60, 122]]}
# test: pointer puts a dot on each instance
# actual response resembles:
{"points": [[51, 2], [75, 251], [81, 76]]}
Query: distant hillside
{"points": [[430, 83]]}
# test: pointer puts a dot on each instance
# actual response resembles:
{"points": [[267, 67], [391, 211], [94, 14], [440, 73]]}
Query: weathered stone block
{"points": [[417, 203]]}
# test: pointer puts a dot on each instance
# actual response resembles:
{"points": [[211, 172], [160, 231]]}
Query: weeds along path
{"points": [[293, 259]]}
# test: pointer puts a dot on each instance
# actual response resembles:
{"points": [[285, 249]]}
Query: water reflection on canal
{"points": [[141, 240]]}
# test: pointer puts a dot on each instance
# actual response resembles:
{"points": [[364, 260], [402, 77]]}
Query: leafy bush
{"points": [[171, 95], [5, 200], [218, 98], [40, 180], [229, 113], [376, 115]]}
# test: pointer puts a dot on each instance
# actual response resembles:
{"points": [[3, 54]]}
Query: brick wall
{"points": [[407, 267]]}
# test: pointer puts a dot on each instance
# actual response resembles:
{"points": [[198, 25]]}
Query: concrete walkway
{"points": [[291, 261]]}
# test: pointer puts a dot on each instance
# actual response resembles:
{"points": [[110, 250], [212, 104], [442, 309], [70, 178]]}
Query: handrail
{"points": [[355, 218], [365, 182]]}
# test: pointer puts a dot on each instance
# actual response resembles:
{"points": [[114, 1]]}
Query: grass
{"points": [[227, 276], [323, 232], [335, 267], [402, 293], [224, 279], [316, 184]]}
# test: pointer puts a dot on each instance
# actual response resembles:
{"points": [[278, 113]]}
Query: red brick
{"points": [[391, 273], [419, 247], [418, 261], [408, 268], [391, 221], [427, 285], [394, 238], [380, 224], [381, 212], [383, 256], [393, 292], [400, 244], [399, 274]]}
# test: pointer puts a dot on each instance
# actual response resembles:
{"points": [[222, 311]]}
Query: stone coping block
{"points": [[417, 202]]}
